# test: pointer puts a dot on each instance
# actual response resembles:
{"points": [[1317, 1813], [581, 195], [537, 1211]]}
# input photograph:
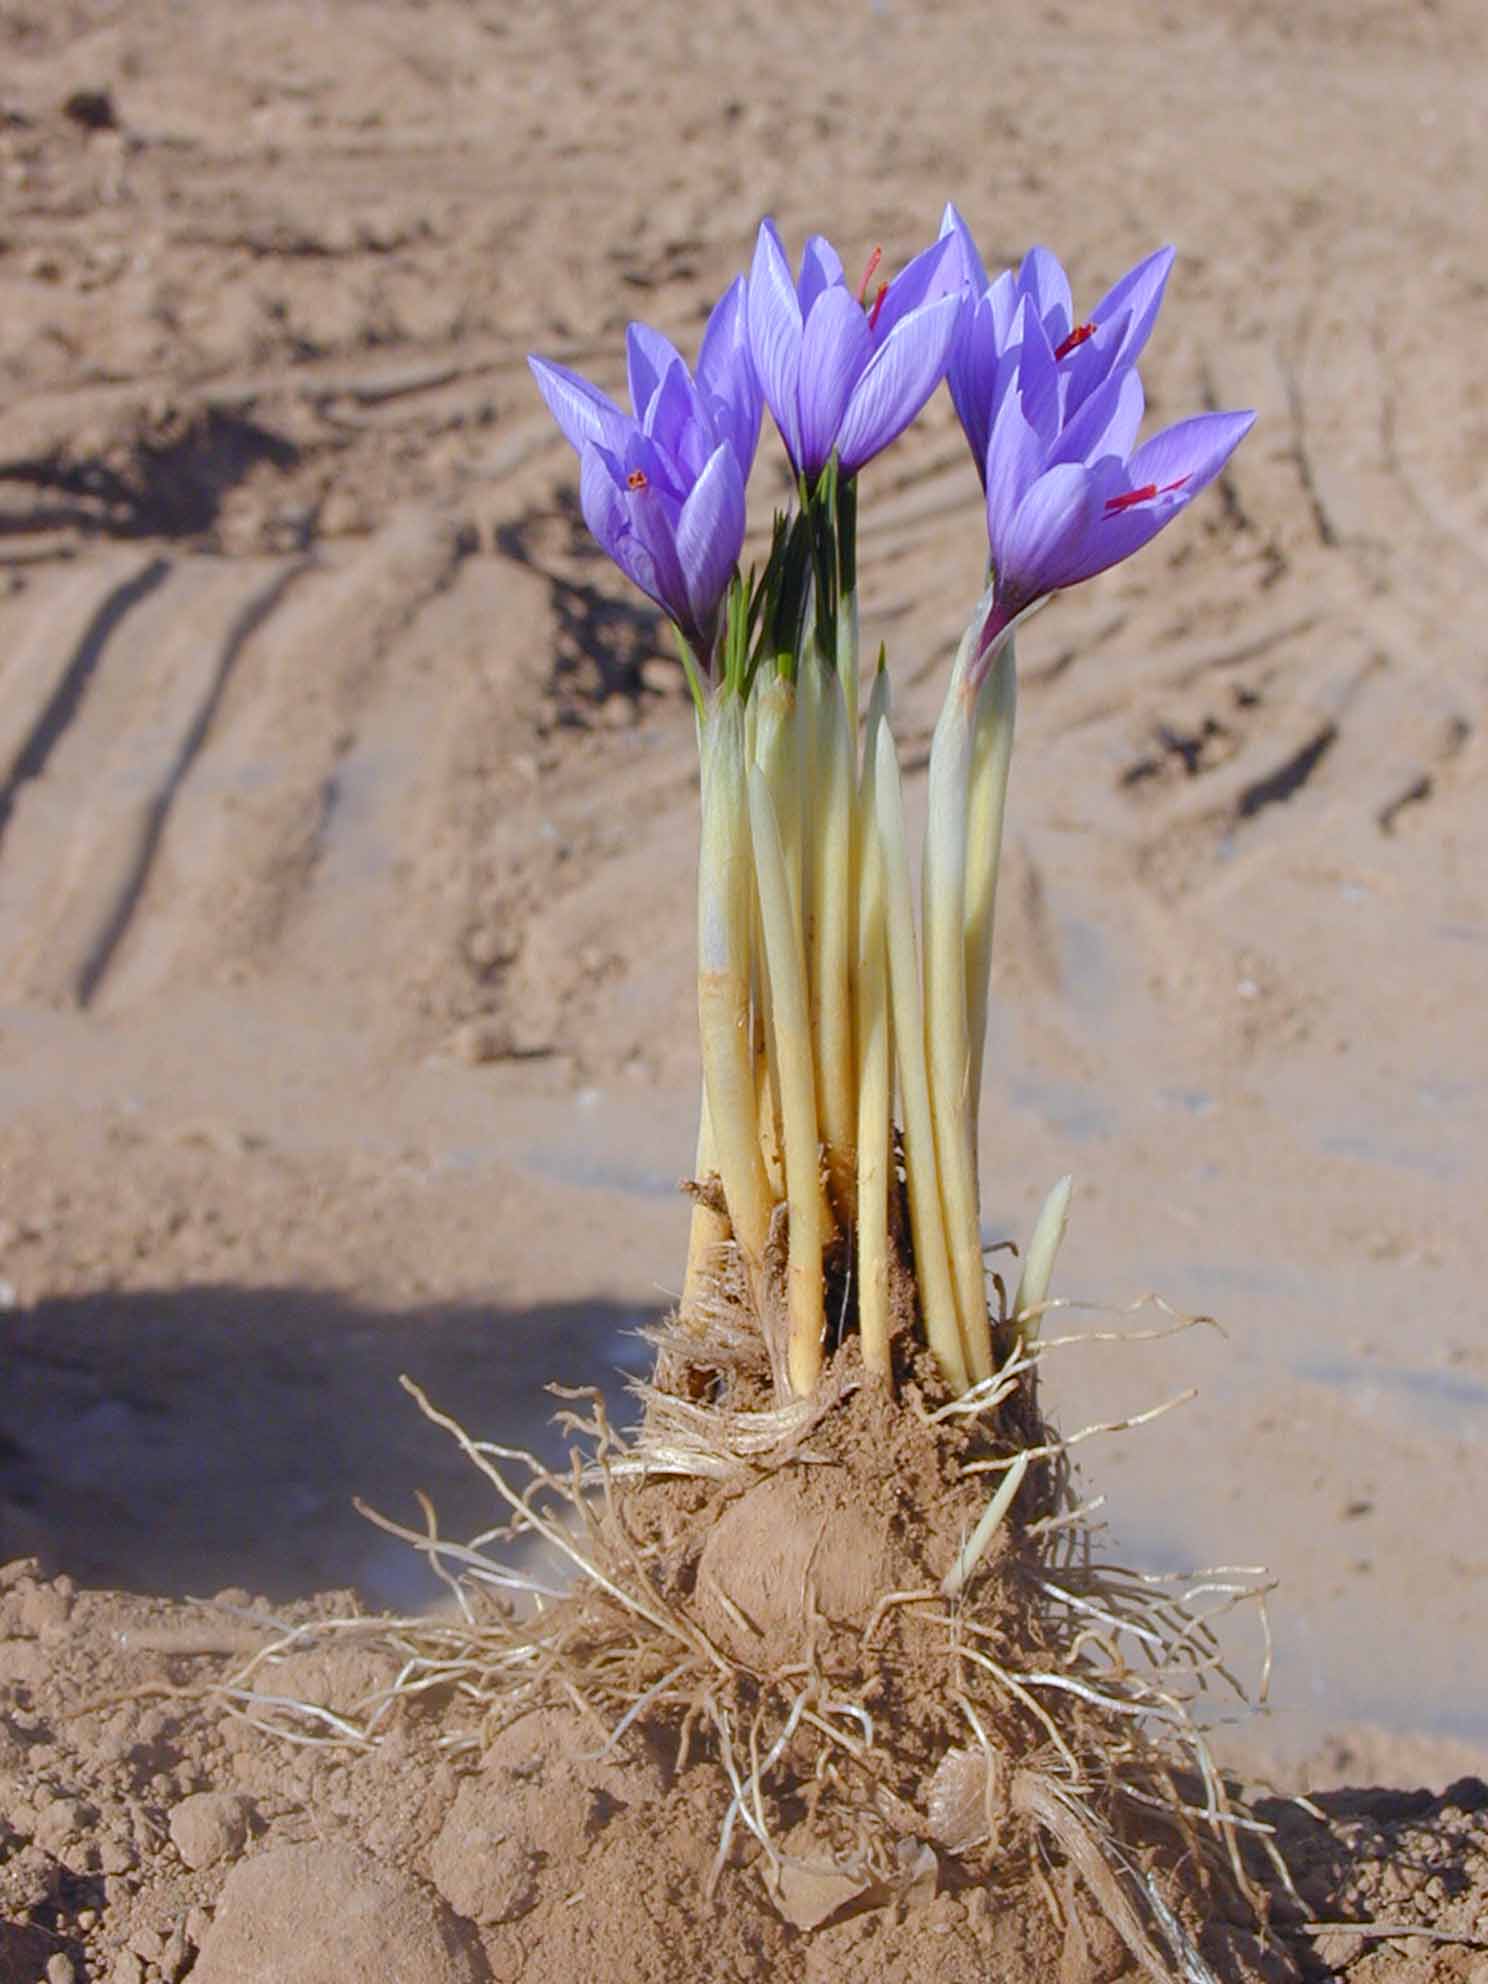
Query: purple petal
{"points": [[1015, 460], [935, 272], [821, 270], [903, 373], [726, 376], [1038, 372], [1002, 306], [1195, 449], [834, 353], [605, 503], [678, 423], [1119, 533], [601, 496], [1139, 294], [1048, 534], [581, 410], [972, 376], [651, 513], [972, 370], [1092, 362], [710, 536], [725, 337], [648, 358], [775, 333], [973, 269], [1041, 278], [1174, 465], [1106, 424]]}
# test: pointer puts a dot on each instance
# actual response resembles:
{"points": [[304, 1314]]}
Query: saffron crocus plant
{"points": [[846, 374], [662, 488], [837, 1041], [1087, 352], [1051, 407], [1065, 505]]}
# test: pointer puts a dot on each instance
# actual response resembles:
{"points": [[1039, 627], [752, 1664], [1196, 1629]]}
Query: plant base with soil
{"points": [[807, 1706]]}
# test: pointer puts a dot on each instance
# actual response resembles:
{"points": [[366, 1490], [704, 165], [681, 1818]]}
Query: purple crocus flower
{"points": [[1086, 353], [838, 372], [662, 488], [1068, 497]]}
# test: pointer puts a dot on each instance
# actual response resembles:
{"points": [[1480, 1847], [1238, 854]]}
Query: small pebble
{"points": [[60, 1821], [1338, 1948], [343, 514], [92, 110], [44, 1607], [60, 1968], [487, 947], [480, 1041], [209, 1826]]}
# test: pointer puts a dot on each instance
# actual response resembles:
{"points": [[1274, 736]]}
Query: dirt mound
{"points": [[227, 1792]]}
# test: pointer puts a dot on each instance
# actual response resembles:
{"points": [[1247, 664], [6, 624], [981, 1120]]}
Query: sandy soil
{"points": [[347, 813]]}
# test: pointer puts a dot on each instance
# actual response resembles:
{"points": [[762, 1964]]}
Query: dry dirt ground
{"points": [[347, 816]]}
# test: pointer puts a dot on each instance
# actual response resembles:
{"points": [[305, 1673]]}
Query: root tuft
{"points": [[996, 1704]]}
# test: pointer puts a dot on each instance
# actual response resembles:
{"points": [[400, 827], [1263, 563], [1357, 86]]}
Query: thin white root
{"points": [[1088, 1433]]}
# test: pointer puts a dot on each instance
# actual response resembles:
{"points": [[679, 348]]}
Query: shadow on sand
{"points": [[186, 1440]]}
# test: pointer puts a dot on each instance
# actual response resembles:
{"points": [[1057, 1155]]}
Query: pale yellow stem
{"points": [[708, 1230], [805, 1286], [932, 1261], [775, 746], [808, 695], [767, 1101], [725, 896], [991, 751], [875, 1066], [947, 1047], [781, 728], [833, 895]]}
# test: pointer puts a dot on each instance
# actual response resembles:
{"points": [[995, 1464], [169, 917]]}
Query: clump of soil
{"points": [[763, 1734], [238, 1796], [765, 1727]]}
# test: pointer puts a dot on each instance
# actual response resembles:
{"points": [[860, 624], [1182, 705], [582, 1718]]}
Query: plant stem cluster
{"points": [[838, 1041]]}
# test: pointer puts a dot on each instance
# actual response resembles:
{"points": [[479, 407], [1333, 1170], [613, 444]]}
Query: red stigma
{"points": [[1129, 497], [878, 303], [868, 274], [1076, 337], [1145, 494], [637, 479]]}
